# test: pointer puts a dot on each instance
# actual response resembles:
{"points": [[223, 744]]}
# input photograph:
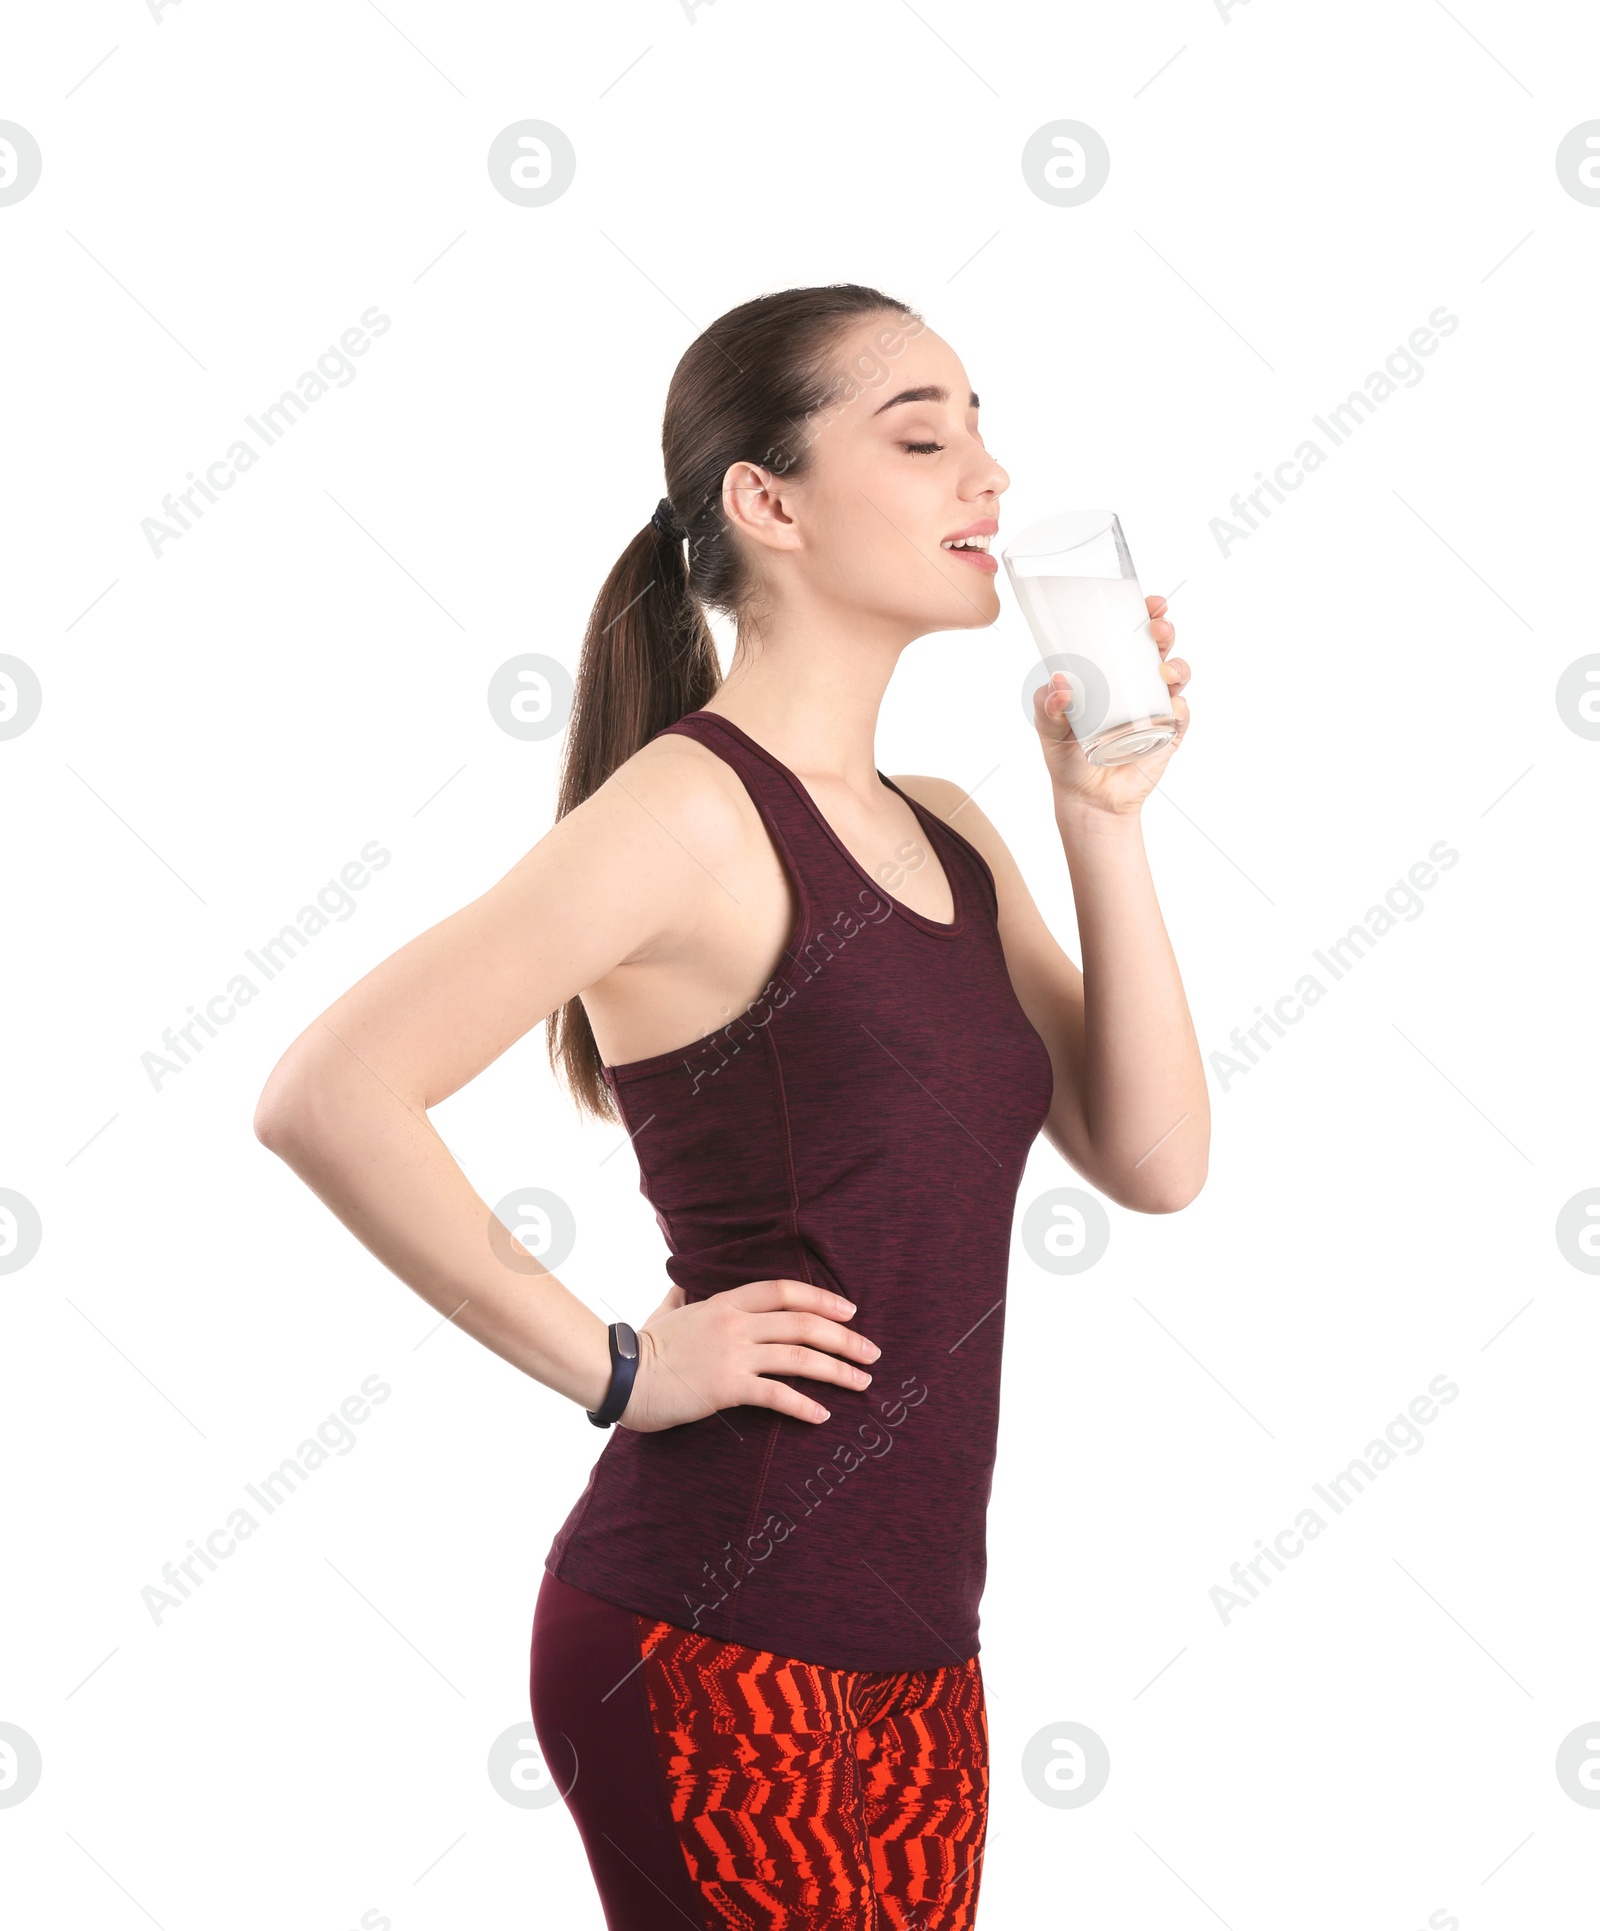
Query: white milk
{"points": [[1104, 621]]}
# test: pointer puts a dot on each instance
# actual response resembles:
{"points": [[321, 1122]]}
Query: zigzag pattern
{"points": [[815, 1799]]}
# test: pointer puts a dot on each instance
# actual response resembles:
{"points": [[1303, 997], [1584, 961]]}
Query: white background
{"points": [[223, 727]]}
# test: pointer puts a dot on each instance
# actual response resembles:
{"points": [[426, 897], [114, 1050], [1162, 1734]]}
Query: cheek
{"points": [[876, 569], [858, 563], [860, 510]]}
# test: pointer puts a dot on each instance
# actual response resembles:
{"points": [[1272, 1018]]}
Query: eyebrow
{"points": [[930, 393]]}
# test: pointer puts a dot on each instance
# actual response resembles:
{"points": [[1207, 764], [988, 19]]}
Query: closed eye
{"points": [[922, 449]]}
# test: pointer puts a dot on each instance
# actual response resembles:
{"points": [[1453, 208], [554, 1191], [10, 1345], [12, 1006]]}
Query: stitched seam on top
{"points": [[794, 1230], [788, 1158], [798, 939], [750, 1525]]}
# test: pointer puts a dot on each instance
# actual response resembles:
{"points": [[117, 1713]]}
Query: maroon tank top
{"points": [[862, 1125]]}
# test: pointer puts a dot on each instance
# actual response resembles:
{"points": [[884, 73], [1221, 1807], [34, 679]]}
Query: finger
{"points": [[762, 1296], [1180, 710], [1053, 700], [792, 1325], [789, 1357], [761, 1393], [1155, 605], [1163, 632], [1176, 672]]}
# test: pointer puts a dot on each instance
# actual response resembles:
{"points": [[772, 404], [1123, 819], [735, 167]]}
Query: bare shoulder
{"points": [[675, 802]]}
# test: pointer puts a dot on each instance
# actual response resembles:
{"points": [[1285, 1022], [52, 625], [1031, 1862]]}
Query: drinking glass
{"points": [[1075, 582]]}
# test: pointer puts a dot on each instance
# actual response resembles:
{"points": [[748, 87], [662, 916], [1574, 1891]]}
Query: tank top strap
{"points": [[960, 858], [823, 869], [787, 809]]}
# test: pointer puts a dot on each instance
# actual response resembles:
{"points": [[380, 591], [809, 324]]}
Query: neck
{"points": [[808, 688]]}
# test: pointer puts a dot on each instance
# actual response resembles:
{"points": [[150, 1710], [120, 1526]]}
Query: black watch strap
{"points": [[624, 1366]]}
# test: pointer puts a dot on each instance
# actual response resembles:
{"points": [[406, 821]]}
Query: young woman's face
{"points": [[897, 472]]}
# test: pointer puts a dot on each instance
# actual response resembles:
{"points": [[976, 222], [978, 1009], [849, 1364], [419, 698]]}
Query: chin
{"points": [[979, 609]]}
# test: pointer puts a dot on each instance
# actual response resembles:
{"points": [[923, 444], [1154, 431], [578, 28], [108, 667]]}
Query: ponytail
{"points": [[744, 390], [648, 658]]}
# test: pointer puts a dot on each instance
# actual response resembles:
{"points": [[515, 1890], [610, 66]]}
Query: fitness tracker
{"points": [[624, 1366]]}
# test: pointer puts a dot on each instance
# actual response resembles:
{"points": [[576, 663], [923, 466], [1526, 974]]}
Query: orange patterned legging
{"points": [[814, 1799]]}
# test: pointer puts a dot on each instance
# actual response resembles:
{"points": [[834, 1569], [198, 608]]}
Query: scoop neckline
{"points": [[939, 929]]}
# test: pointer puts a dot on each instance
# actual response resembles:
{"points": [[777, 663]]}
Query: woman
{"points": [[755, 1673]]}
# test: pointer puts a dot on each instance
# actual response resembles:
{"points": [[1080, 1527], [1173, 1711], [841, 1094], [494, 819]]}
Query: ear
{"points": [[760, 505]]}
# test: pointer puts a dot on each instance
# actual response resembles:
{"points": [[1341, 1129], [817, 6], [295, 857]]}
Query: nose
{"points": [[988, 475]]}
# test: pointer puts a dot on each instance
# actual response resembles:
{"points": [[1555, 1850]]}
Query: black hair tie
{"points": [[664, 520]]}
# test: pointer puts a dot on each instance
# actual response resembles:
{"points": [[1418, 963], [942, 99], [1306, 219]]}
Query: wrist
{"points": [[1077, 819], [589, 1384], [622, 1344]]}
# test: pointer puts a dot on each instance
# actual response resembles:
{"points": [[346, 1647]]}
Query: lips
{"points": [[971, 545]]}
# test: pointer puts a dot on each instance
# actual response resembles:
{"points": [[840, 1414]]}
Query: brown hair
{"points": [[746, 389]]}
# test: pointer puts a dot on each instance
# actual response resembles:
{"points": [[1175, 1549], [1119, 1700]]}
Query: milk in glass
{"points": [[1075, 581]]}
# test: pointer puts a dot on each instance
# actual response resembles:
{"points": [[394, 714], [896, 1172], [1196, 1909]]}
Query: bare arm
{"points": [[347, 1105], [616, 881]]}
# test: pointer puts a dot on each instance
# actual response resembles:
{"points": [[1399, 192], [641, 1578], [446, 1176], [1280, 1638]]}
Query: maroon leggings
{"points": [[732, 1789]]}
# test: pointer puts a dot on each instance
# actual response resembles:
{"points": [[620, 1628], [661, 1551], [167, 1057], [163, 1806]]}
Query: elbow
{"points": [[1173, 1178], [286, 1105], [274, 1117], [1163, 1179], [1172, 1200], [1175, 1192], [267, 1124], [1162, 1193]]}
